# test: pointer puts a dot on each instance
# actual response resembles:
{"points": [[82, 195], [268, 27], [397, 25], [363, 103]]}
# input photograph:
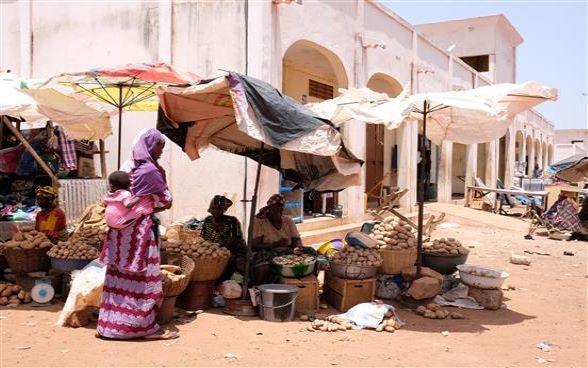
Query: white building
{"points": [[307, 49]]}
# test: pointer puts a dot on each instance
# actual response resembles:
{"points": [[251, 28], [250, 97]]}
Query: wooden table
{"points": [[480, 192]]}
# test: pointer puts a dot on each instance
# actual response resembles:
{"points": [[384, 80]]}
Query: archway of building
{"points": [[529, 152], [312, 73], [381, 156], [458, 170]]}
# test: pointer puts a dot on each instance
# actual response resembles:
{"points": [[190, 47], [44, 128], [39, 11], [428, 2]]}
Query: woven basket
{"points": [[175, 288], [27, 260], [209, 269], [393, 261], [188, 235]]}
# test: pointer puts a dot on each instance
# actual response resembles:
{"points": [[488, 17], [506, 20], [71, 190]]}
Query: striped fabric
{"points": [[69, 159], [132, 291]]}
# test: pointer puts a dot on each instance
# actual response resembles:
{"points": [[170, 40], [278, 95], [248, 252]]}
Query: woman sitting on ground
{"points": [[226, 231], [563, 215], [273, 235]]}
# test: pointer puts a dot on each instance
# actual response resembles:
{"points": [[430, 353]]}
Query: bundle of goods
{"points": [[92, 235], [355, 263], [210, 259], [434, 311], [329, 324], [396, 243], [13, 295], [444, 255], [445, 246], [293, 265], [394, 234], [26, 251], [71, 255]]}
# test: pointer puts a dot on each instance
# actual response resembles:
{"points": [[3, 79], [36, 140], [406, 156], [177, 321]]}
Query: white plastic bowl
{"points": [[481, 277]]}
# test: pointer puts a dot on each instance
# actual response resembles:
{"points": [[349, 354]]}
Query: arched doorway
{"points": [[313, 73], [381, 156]]}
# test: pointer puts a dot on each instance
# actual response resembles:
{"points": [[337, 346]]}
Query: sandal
{"points": [[163, 335]]}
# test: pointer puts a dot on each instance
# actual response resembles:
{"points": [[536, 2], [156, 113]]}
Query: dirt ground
{"points": [[548, 304]]}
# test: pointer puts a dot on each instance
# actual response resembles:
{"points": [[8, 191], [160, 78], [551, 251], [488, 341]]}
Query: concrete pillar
{"points": [[407, 162], [531, 154], [388, 150], [471, 163], [444, 189], [491, 164], [509, 160], [540, 156], [353, 199], [26, 38], [523, 152]]}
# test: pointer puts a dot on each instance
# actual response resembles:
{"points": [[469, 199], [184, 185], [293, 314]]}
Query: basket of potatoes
{"points": [[210, 259], [26, 251], [73, 254], [396, 244], [444, 255], [355, 263]]}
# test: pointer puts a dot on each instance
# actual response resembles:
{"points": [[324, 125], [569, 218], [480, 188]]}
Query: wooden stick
{"points": [[32, 152], [102, 159]]}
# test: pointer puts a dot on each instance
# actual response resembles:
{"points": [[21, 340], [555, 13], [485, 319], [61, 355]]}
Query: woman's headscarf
{"points": [[47, 192], [146, 173], [220, 201], [273, 200]]}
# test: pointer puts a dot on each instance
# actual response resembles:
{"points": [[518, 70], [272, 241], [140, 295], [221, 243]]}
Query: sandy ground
{"points": [[548, 304]]}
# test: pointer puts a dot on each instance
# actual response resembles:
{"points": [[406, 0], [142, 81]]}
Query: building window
{"points": [[320, 90], [481, 63]]}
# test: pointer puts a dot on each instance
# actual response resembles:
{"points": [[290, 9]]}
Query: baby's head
{"points": [[119, 180]]}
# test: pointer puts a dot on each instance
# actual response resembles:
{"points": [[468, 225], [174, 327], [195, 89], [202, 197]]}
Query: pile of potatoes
{"points": [[445, 246], [434, 311], [28, 238], [329, 324], [74, 249], [394, 234], [12, 295], [171, 273], [358, 257], [293, 260], [197, 248], [91, 235]]}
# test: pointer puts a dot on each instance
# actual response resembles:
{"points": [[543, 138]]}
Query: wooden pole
{"points": [[421, 191], [102, 159], [32, 152], [249, 251]]}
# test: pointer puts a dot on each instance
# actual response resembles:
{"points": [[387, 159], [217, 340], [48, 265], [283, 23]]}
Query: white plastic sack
{"points": [[230, 289], [366, 315], [86, 291]]}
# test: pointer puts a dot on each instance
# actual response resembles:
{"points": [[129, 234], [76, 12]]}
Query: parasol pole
{"points": [[421, 191], [250, 227], [119, 123]]}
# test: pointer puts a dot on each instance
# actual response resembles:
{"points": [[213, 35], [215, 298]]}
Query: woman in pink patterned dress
{"points": [[132, 291]]}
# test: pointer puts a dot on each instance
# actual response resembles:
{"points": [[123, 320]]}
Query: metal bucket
{"points": [[278, 302]]}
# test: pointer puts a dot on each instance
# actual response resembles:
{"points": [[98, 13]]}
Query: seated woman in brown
{"points": [[273, 235], [226, 231]]}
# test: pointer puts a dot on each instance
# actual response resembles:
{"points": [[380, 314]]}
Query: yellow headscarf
{"points": [[47, 192]]}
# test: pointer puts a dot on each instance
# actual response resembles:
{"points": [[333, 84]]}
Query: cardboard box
{"points": [[86, 167], [307, 300], [344, 294]]}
